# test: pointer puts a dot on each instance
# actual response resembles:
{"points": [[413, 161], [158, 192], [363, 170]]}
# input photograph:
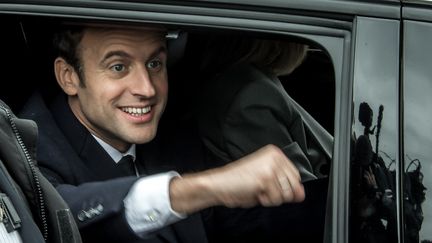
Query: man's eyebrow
{"points": [[124, 54], [115, 53], [158, 51]]}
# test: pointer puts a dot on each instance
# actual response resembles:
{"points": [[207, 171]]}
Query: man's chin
{"points": [[145, 138]]}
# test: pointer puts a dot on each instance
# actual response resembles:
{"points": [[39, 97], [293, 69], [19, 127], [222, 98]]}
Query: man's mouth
{"points": [[137, 111]]}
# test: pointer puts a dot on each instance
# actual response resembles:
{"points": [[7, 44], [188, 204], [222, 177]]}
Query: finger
{"points": [[297, 193], [285, 187], [289, 166], [271, 195], [282, 160]]}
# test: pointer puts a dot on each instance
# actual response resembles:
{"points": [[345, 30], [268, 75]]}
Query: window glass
{"points": [[375, 132], [417, 131]]}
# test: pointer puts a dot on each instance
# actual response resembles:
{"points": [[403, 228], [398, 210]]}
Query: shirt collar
{"points": [[114, 153]]}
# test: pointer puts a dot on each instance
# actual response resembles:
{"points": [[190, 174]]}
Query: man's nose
{"points": [[143, 84]]}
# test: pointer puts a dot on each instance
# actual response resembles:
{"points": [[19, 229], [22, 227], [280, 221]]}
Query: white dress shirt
{"points": [[147, 205], [12, 237]]}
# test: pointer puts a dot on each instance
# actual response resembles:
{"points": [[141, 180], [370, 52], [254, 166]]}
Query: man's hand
{"points": [[266, 177]]}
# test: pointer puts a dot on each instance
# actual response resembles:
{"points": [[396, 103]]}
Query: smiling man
{"points": [[123, 76], [115, 91]]}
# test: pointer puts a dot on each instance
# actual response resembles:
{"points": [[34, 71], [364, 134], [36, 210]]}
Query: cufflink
{"points": [[90, 213], [152, 216]]}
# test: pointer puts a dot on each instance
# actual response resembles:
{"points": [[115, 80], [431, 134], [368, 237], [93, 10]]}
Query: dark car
{"points": [[367, 80]]}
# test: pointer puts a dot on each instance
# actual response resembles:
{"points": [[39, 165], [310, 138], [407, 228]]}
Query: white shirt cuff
{"points": [[148, 206]]}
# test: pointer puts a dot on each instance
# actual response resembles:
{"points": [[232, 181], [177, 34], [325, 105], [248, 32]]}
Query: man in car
{"points": [[116, 87]]}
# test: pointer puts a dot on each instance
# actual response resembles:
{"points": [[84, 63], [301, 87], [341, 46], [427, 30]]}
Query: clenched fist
{"points": [[266, 177]]}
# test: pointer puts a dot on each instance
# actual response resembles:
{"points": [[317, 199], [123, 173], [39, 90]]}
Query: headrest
{"points": [[176, 44]]}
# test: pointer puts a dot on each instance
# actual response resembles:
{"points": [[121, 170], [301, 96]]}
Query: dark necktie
{"points": [[127, 164]]}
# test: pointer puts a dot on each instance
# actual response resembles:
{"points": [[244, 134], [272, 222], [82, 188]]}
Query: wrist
{"points": [[192, 193]]}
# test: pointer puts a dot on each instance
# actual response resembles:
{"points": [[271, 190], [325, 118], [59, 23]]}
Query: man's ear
{"points": [[66, 76]]}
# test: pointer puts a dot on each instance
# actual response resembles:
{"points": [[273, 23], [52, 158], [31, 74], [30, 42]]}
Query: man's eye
{"points": [[118, 68], [154, 64]]}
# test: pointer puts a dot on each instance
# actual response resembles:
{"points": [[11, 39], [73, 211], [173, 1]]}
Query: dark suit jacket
{"points": [[89, 180], [241, 110], [244, 109]]}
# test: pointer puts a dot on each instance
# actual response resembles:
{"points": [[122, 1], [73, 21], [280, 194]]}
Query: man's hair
{"points": [[67, 40], [280, 57], [66, 44]]}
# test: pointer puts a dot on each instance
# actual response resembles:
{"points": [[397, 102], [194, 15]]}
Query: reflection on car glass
{"points": [[374, 183], [374, 204], [414, 196], [376, 208]]}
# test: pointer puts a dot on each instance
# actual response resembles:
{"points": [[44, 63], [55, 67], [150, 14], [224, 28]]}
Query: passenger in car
{"points": [[98, 145], [244, 107]]}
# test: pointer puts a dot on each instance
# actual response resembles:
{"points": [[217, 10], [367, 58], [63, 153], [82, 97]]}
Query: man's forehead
{"points": [[108, 40], [142, 30], [139, 28], [114, 37], [130, 26]]}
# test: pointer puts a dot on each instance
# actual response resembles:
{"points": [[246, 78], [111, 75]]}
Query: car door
{"points": [[373, 199], [417, 134]]}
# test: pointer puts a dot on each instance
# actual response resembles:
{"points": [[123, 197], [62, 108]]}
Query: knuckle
{"points": [[277, 200], [272, 149], [263, 200], [288, 196], [267, 173]]}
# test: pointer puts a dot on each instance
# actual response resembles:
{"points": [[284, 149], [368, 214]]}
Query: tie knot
{"points": [[126, 159], [127, 165]]}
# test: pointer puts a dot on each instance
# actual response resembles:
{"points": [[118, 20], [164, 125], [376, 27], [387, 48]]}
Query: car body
{"points": [[380, 59]]}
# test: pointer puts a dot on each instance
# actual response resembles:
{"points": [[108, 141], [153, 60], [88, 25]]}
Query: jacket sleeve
{"points": [[260, 115], [98, 208], [256, 112]]}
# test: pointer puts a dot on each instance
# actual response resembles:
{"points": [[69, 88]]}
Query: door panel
{"points": [[374, 163], [417, 78]]}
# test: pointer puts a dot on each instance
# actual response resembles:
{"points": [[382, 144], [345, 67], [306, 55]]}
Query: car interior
{"points": [[27, 66]]}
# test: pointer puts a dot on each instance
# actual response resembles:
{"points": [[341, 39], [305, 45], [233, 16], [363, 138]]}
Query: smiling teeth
{"points": [[137, 111]]}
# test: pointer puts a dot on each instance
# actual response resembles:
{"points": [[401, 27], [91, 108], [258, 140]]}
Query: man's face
{"points": [[126, 84]]}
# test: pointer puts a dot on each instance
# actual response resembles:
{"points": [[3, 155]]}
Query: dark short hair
{"points": [[66, 45], [67, 41]]}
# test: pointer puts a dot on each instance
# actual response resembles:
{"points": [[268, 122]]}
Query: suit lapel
{"points": [[95, 158], [99, 161]]}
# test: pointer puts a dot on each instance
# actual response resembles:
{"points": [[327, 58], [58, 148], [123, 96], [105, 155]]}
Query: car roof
{"points": [[387, 8], [373, 8]]}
